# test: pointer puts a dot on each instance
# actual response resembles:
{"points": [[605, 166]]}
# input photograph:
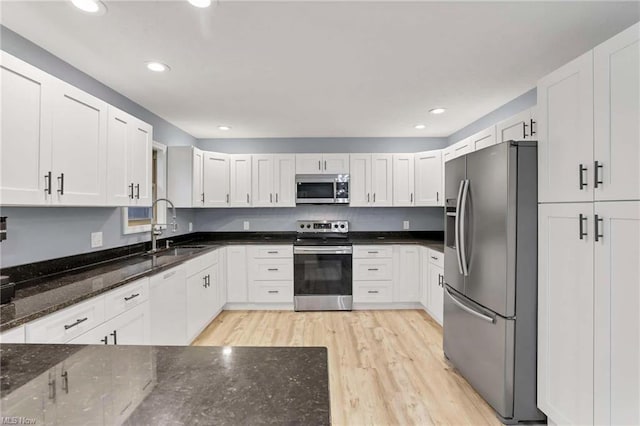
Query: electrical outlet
{"points": [[405, 224], [246, 225], [190, 227], [96, 239]]}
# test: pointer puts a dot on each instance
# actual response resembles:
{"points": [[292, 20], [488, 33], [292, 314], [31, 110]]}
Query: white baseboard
{"points": [[258, 307], [386, 306]]}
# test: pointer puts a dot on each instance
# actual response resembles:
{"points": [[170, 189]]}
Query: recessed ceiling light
{"points": [[157, 66], [225, 128], [94, 7], [437, 110], [419, 126], [200, 3]]}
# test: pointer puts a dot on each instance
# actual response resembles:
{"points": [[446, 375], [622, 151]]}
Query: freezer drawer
{"points": [[481, 346]]}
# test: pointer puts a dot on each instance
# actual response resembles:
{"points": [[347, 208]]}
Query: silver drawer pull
{"points": [[372, 252], [133, 296], [80, 321], [434, 258], [272, 269], [273, 252], [372, 269], [373, 291], [273, 291]]}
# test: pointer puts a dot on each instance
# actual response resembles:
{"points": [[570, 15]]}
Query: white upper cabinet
{"points": [[322, 163], [79, 147], [403, 179], [565, 132], [360, 180], [520, 127], [428, 179], [215, 179], [463, 147], [483, 139], [284, 180], [197, 178], [185, 176], [25, 150], [381, 180], [129, 150], [616, 62], [448, 153], [240, 181], [263, 174]]}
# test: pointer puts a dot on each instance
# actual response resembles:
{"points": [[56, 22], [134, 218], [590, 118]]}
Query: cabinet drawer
{"points": [[271, 292], [271, 270], [373, 269], [14, 335], [124, 298], [372, 252], [372, 292], [67, 324], [201, 262], [271, 252], [436, 258]]}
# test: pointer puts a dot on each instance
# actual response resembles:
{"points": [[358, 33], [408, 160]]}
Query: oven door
{"points": [[322, 270]]}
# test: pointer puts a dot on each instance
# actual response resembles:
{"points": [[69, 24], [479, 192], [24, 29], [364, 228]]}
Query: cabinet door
{"points": [[141, 163], [484, 138], [617, 314], [403, 179], [436, 292], [514, 128], [406, 272], [262, 185], [14, 335], [197, 189], [565, 312], [237, 278], [382, 180], [79, 147], [448, 154], [222, 279], [215, 179], [428, 178], [120, 190], [424, 276], [168, 306], [360, 180], [565, 133], [284, 180], [309, 163], [240, 184], [335, 163], [132, 327], [25, 134], [616, 65], [461, 148], [202, 298]]}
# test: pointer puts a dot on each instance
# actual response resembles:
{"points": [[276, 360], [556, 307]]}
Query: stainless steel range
{"points": [[322, 271]]}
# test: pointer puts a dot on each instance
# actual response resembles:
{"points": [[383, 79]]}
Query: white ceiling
{"points": [[320, 69]]}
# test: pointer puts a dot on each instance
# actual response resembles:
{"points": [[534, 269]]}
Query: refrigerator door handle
{"points": [[457, 227], [468, 309], [463, 218]]}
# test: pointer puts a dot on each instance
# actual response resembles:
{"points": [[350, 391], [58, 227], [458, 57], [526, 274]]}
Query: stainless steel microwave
{"points": [[322, 189]]}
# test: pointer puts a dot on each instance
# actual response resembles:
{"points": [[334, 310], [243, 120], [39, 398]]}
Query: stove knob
{"points": [[335, 226], [342, 226], [302, 226], [308, 226]]}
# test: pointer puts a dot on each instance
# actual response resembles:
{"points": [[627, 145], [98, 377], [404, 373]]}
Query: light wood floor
{"points": [[385, 367]]}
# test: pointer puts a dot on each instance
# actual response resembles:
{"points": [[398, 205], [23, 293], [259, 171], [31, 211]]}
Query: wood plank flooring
{"points": [[385, 367]]}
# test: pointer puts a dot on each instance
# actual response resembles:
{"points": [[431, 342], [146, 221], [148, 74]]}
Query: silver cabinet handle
{"points": [[373, 269], [273, 252], [374, 197], [368, 197], [596, 223], [457, 226], [61, 184], [138, 193], [202, 197], [273, 291], [79, 321], [247, 198], [437, 196], [271, 198], [319, 165], [272, 269], [411, 197], [463, 219], [325, 164], [581, 170], [47, 183], [276, 197], [227, 198], [65, 381], [596, 168], [133, 296], [373, 291], [468, 309], [582, 219], [372, 252]]}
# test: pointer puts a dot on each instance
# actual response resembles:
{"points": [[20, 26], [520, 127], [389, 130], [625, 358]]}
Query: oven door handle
{"points": [[323, 250]]}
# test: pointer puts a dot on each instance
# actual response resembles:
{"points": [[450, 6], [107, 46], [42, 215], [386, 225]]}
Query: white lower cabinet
{"points": [[14, 335], [406, 267], [132, 327], [168, 300], [372, 291], [270, 274], [67, 324], [432, 281], [202, 299], [373, 274], [237, 274]]}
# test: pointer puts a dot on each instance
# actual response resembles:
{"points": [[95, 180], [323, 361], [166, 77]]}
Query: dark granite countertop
{"points": [[151, 385], [47, 287]]}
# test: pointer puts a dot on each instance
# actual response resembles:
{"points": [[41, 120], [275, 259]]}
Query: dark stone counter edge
{"points": [[357, 240]]}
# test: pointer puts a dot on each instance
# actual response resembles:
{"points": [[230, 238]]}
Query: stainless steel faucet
{"points": [[155, 227]]}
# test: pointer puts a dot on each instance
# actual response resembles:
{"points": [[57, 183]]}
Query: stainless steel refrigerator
{"points": [[490, 274]]}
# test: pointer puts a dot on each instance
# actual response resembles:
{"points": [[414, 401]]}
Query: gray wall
{"points": [[302, 145], [284, 219], [519, 104]]}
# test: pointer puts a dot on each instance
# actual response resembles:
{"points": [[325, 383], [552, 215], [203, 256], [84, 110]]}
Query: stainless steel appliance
{"points": [[491, 275], [322, 189], [322, 266]]}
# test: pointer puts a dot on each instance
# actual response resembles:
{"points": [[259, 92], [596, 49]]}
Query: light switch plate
{"points": [[96, 239], [405, 224], [246, 225]]}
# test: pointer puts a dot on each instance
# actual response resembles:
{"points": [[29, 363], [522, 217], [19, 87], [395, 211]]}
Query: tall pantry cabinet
{"points": [[589, 236]]}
